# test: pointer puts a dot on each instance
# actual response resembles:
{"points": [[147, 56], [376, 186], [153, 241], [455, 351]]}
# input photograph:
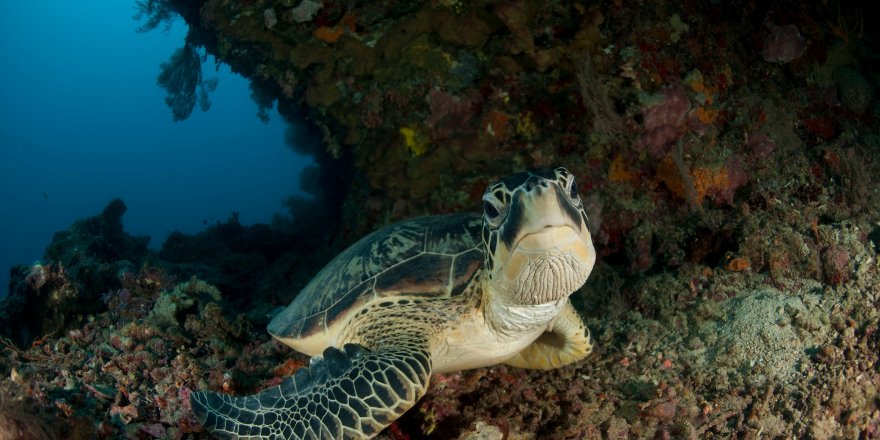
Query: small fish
{"points": [[45, 196]]}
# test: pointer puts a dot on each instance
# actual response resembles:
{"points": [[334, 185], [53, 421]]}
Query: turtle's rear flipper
{"points": [[351, 393]]}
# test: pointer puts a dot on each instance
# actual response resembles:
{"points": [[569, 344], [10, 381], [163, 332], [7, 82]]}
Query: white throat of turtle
{"points": [[517, 320]]}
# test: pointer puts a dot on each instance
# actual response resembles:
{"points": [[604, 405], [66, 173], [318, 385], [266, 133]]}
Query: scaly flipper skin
{"points": [[351, 393], [566, 341]]}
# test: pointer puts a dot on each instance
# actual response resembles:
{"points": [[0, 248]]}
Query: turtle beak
{"points": [[550, 237], [542, 214]]}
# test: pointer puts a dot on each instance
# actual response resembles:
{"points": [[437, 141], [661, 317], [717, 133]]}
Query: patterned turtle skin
{"points": [[427, 295]]}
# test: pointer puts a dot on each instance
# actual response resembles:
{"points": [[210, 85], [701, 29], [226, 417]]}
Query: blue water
{"points": [[82, 121]]}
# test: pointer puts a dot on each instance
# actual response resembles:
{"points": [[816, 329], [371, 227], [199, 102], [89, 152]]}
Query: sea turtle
{"points": [[428, 295]]}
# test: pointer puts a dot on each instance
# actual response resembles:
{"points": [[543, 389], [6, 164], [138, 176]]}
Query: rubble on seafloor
{"points": [[726, 151]]}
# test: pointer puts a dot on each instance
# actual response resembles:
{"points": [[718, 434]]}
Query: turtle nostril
{"points": [[535, 183]]}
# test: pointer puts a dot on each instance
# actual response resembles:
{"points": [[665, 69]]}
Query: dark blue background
{"points": [[83, 121]]}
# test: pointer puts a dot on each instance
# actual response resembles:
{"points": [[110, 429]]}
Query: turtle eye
{"points": [[572, 189], [492, 210]]}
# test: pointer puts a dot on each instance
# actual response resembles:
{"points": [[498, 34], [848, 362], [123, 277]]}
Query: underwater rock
{"points": [[783, 44], [854, 90], [516, 15], [21, 418], [99, 239], [306, 11], [269, 18], [80, 264], [169, 307], [761, 334], [471, 30], [120, 378], [483, 431]]}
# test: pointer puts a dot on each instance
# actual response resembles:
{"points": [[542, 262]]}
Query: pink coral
{"points": [[444, 105], [736, 176], [451, 115], [665, 121], [157, 430], [836, 264], [759, 145]]}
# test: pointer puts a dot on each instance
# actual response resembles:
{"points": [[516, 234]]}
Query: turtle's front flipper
{"points": [[351, 393], [567, 340]]}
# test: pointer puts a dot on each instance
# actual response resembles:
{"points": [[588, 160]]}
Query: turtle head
{"points": [[538, 246]]}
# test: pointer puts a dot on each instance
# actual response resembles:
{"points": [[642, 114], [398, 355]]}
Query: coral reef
{"points": [[727, 153], [50, 297], [128, 373]]}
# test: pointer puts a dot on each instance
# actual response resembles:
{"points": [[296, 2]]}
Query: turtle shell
{"points": [[428, 257]]}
